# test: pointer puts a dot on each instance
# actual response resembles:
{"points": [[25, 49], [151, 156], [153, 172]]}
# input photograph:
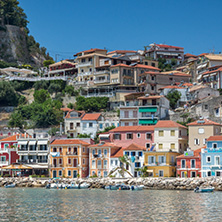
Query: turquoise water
{"points": [[38, 204]]}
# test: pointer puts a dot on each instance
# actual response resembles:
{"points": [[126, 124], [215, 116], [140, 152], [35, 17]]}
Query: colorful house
{"points": [[211, 157], [189, 164], [100, 158], [161, 164], [69, 158]]}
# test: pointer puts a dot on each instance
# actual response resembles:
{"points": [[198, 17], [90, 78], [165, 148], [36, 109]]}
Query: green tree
{"points": [[40, 96], [54, 88], [46, 63], [70, 105], [16, 120], [173, 96], [84, 135]]}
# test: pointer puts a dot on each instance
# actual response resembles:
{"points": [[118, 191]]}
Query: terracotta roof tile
{"points": [[215, 138], [122, 65], [169, 46], [68, 142], [134, 146], [13, 138], [151, 97], [91, 116], [201, 123], [118, 154], [105, 145], [68, 114], [90, 50], [146, 67], [168, 124], [133, 128], [121, 51]]}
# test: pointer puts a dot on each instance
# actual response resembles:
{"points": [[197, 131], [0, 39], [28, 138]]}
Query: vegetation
{"points": [[164, 66], [48, 62], [70, 106], [84, 135], [53, 131], [92, 104], [173, 96], [71, 91], [143, 171], [186, 119]]}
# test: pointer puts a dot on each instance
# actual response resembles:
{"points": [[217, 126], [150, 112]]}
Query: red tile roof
{"points": [[151, 97], [118, 154], [196, 154], [203, 54], [68, 142], [121, 51], [112, 145], [68, 114], [215, 138], [146, 67], [90, 50], [66, 109], [13, 138], [91, 116], [189, 55], [169, 46], [168, 124], [122, 65], [134, 146], [133, 128], [172, 87], [206, 122]]}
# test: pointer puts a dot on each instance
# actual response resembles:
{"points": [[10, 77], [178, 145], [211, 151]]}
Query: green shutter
{"points": [[147, 109], [148, 121]]}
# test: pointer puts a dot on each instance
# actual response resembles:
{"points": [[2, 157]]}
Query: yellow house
{"points": [[161, 164]]}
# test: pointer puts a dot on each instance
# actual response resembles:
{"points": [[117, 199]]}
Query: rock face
{"points": [[14, 46], [149, 183]]}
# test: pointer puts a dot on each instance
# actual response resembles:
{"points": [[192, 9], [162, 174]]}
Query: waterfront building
{"points": [[161, 163], [8, 154], [69, 158], [34, 151], [135, 153], [200, 130], [143, 110], [189, 164], [100, 163], [211, 157], [126, 135], [168, 52], [170, 136]]}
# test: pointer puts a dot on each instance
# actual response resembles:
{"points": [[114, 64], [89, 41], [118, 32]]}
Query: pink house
{"points": [[126, 135]]}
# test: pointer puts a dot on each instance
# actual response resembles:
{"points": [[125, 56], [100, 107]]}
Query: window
{"points": [[60, 173], [200, 130], [60, 149], [6, 145], [134, 114], [183, 174], [90, 124], [152, 88], [206, 107], [137, 164], [93, 164], [93, 172], [183, 163], [208, 159], [100, 125], [209, 173], [161, 133], [172, 159], [161, 159], [160, 146], [204, 141], [69, 173], [140, 153], [148, 136], [160, 173], [126, 114], [152, 78], [193, 174], [138, 135], [172, 132], [60, 161], [99, 163], [69, 161], [117, 136], [133, 153], [172, 146], [217, 160], [193, 163], [151, 160], [111, 162], [196, 141], [116, 162], [129, 136], [99, 151], [105, 173], [105, 152], [71, 125], [127, 153], [84, 125], [3, 158], [126, 124], [147, 145], [93, 152], [214, 145], [77, 124], [83, 160], [105, 163]]}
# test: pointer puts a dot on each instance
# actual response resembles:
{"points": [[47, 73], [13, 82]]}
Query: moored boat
{"points": [[111, 187], [204, 189], [10, 185], [137, 187]]}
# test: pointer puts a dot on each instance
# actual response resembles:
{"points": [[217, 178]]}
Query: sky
{"points": [[66, 27]]}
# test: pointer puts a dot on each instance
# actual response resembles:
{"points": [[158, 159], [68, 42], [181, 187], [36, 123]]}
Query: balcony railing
{"points": [[71, 165], [162, 164], [101, 72], [82, 64], [71, 153], [101, 81], [85, 73], [128, 117]]}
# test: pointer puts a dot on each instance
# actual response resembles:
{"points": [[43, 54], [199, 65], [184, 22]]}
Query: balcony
{"points": [[71, 153], [101, 72], [83, 64], [97, 81], [4, 163], [128, 117], [85, 73]]}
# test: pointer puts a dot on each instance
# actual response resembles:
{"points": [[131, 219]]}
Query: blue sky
{"points": [[65, 27]]}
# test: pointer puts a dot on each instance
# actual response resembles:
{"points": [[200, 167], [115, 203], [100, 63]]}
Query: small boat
{"points": [[204, 189], [84, 185], [137, 187], [74, 186], [123, 187], [111, 187], [10, 185]]}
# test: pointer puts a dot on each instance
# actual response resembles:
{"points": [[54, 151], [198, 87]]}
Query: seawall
{"points": [[149, 183]]}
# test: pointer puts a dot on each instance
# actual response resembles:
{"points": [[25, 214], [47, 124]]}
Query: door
{"points": [[135, 174], [74, 173], [54, 173], [193, 174]]}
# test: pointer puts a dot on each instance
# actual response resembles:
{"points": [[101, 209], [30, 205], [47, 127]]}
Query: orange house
{"points": [[99, 158], [69, 158]]}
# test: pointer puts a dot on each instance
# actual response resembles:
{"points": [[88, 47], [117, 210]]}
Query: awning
{"points": [[148, 121], [149, 171], [55, 154], [32, 142], [22, 142], [44, 142], [148, 109], [104, 135], [38, 166]]}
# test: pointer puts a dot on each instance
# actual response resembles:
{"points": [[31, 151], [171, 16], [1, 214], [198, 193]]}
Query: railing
{"points": [[71, 165], [162, 164], [85, 73], [82, 64], [101, 72], [71, 153], [35, 79], [128, 117], [101, 81]]}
